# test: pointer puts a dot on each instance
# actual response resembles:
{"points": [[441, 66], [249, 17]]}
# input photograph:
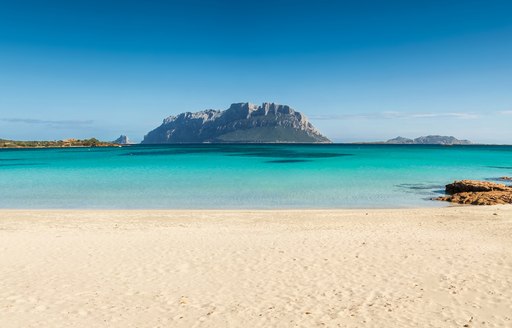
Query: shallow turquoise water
{"points": [[242, 176]]}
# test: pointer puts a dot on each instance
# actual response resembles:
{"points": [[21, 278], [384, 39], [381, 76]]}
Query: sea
{"points": [[242, 176]]}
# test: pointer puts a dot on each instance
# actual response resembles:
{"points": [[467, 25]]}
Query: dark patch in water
{"points": [[234, 150], [501, 167], [418, 186], [289, 154], [21, 164], [10, 159], [496, 179], [170, 152], [422, 189], [284, 161]]}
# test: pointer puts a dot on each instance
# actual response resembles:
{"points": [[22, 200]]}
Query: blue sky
{"points": [[361, 70]]}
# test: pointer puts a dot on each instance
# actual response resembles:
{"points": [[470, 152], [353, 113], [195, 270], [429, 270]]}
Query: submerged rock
{"points": [[477, 193]]}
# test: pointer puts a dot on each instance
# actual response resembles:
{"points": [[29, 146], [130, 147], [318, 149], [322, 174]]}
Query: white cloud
{"points": [[67, 123], [455, 115], [395, 115]]}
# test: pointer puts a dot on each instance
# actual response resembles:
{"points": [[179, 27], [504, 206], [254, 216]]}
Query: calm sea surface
{"points": [[242, 176]]}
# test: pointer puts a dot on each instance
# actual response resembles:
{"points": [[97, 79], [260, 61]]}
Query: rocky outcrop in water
{"points": [[477, 193], [429, 140], [122, 140], [240, 123]]}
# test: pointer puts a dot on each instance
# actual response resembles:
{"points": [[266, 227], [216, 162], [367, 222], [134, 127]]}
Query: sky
{"points": [[360, 70]]}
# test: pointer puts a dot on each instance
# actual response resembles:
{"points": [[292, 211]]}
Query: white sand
{"points": [[449, 267]]}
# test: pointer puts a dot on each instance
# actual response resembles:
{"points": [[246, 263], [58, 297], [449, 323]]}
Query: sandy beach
{"points": [[445, 267]]}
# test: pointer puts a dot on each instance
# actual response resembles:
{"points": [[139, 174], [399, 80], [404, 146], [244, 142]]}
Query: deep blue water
{"points": [[242, 176]]}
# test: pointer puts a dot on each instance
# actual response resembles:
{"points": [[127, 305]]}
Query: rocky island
{"points": [[240, 123], [122, 140], [428, 140]]}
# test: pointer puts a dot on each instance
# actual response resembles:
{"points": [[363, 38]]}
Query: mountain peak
{"points": [[241, 122]]}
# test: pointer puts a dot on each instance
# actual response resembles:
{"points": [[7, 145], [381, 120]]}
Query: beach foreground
{"points": [[444, 267]]}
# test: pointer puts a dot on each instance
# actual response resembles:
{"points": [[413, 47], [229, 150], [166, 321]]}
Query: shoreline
{"points": [[441, 205], [436, 267]]}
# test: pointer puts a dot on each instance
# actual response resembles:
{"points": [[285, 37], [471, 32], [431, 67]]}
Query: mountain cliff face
{"points": [[242, 122], [429, 140]]}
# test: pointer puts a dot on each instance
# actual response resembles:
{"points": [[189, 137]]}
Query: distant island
{"points": [[92, 142], [269, 123], [240, 123], [122, 140], [428, 140]]}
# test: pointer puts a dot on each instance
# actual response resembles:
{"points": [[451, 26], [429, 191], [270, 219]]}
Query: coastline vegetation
{"points": [[92, 142]]}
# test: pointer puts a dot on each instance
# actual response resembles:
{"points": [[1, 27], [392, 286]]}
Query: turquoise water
{"points": [[242, 176]]}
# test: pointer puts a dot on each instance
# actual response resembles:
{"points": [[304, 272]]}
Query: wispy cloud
{"points": [[395, 115], [506, 112], [54, 123], [455, 115]]}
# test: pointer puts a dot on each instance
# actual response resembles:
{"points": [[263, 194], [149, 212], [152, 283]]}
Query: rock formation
{"points": [[400, 141], [429, 140], [122, 140], [477, 193], [240, 123]]}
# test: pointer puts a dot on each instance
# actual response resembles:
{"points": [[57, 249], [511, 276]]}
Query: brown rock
{"points": [[506, 178], [477, 193], [474, 186]]}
